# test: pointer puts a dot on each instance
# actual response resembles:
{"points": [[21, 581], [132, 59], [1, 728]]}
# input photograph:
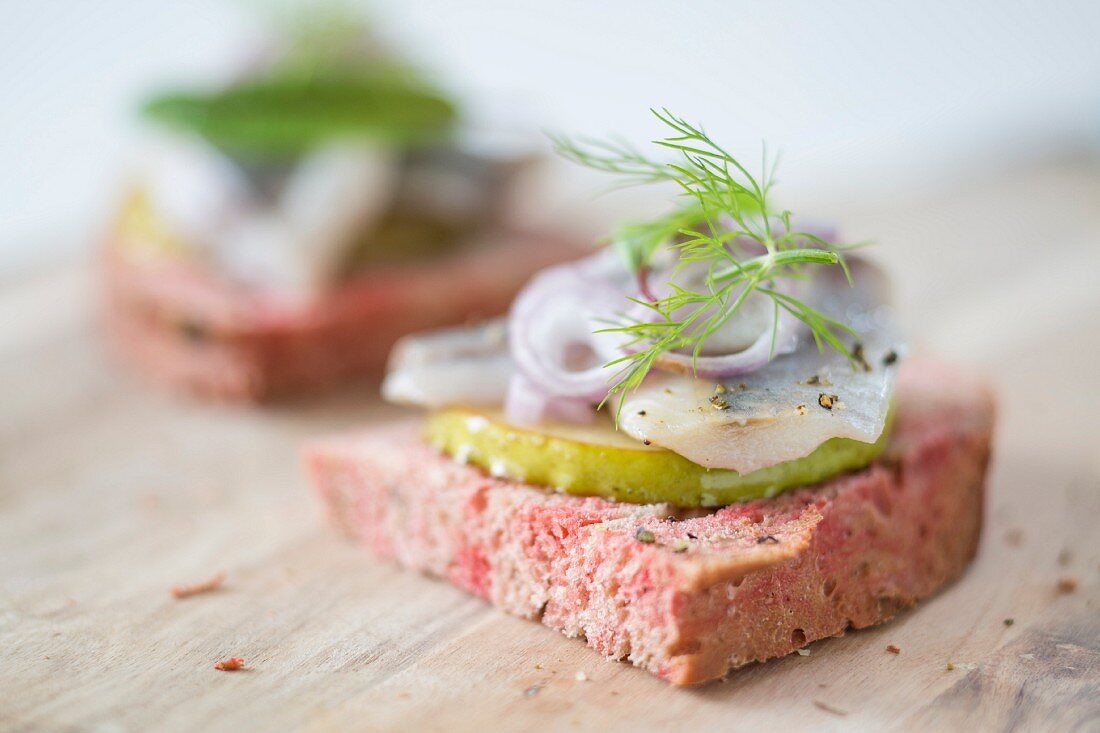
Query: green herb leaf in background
{"points": [[288, 115], [330, 78]]}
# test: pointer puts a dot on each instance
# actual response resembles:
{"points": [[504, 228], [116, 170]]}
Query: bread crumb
{"points": [[230, 665], [581, 676], [950, 666], [829, 708], [186, 591], [893, 649], [803, 652], [1066, 584], [1009, 621], [532, 691]]}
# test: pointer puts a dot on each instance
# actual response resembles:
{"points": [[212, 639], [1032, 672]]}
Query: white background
{"points": [[865, 99]]}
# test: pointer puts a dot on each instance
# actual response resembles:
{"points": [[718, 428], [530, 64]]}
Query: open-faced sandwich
{"points": [[282, 230], [702, 447]]}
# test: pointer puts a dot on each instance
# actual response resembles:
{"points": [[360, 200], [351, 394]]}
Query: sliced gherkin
{"points": [[598, 461]]}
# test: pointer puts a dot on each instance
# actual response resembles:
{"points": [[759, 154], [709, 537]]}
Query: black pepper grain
{"points": [[857, 354], [193, 332]]}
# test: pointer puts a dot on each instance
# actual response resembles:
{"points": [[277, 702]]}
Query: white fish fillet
{"points": [[467, 366], [777, 415]]}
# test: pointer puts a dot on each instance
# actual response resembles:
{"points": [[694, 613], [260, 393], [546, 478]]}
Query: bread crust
{"points": [[713, 591]]}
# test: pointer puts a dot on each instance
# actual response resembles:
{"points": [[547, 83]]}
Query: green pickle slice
{"points": [[599, 461]]}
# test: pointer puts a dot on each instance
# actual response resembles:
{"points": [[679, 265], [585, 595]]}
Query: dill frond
{"points": [[722, 207]]}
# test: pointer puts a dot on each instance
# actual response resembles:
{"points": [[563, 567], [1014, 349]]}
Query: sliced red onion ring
{"points": [[554, 340], [551, 325], [757, 355], [779, 335], [526, 404]]}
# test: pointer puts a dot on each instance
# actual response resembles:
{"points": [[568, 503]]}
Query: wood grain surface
{"points": [[111, 494]]}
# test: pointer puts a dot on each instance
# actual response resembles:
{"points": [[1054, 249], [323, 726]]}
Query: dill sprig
{"points": [[722, 208]]}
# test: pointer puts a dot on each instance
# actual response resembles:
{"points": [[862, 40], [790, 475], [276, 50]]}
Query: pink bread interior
{"points": [[185, 327], [756, 580]]}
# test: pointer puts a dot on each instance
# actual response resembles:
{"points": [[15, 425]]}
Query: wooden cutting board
{"points": [[112, 493]]}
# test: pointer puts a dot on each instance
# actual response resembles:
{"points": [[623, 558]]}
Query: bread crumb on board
{"points": [[829, 708], [186, 591], [893, 649], [230, 665], [1066, 584]]}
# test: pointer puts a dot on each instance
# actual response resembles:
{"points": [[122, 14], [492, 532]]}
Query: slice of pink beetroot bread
{"points": [[714, 590], [193, 330]]}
